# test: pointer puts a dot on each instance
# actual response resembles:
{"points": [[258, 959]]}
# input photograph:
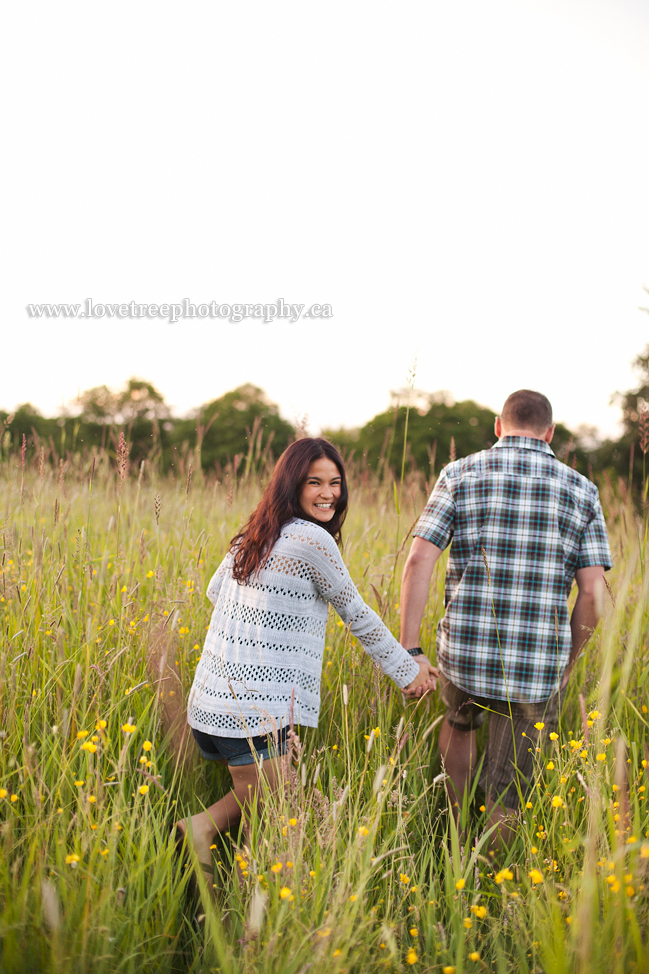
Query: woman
{"points": [[262, 659]]}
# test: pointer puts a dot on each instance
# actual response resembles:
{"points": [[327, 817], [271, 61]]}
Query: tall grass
{"points": [[358, 865]]}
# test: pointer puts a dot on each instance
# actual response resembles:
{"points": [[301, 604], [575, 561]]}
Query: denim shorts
{"points": [[236, 751]]}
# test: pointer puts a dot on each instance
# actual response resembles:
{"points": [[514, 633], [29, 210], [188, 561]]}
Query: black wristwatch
{"points": [[416, 651]]}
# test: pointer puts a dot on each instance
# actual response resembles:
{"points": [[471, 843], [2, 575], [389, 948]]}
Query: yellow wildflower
{"points": [[3, 792], [550, 765], [503, 874], [72, 859], [480, 911], [284, 892], [474, 955], [277, 868], [554, 736], [404, 879], [557, 802], [412, 958], [539, 725], [467, 923], [460, 884], [147, 746], [143, 789], [536, 876]]}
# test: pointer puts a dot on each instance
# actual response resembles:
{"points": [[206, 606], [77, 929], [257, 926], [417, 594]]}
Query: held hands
{"points": [[425, 681]]}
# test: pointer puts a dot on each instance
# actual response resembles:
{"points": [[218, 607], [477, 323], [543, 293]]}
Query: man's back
{"points": [[522, 524]]}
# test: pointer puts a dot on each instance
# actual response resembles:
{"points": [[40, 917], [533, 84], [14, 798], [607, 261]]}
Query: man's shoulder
{"points": [[475, 462], [503, 460]]}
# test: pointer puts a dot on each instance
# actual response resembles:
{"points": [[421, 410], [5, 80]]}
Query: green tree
{"points": [[138, 408], [99, 405], [626, 455], [439, 430], [243, 424]]}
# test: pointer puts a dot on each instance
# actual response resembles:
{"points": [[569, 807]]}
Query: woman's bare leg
{"points": [[226, 813]]}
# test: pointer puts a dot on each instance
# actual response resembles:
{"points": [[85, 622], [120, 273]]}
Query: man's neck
{"points": [[502, 431], [529, 433]]}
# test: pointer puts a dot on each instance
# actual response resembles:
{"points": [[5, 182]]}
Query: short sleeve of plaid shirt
{"points": [[594, 548], [436, 523]]}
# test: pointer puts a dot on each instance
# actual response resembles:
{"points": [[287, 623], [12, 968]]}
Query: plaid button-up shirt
{"points": [[522, 523]]}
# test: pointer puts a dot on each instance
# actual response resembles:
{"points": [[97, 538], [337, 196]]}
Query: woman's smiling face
{"points": [[321, 491]]}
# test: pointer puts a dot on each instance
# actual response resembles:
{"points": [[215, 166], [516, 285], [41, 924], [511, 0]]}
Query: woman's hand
{"points": [[425, 681]]}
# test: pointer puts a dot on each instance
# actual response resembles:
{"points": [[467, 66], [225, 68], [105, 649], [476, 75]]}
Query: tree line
{"points": [[243, 429]]}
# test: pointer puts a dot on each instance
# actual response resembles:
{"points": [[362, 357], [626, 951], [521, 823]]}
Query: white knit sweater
{"points": [[266, 637]]}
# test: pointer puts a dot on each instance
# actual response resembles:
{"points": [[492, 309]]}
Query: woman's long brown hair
{"points": [[281, 502]]}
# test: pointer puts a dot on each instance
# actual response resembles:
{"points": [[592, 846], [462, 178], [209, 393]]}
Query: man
{"points": [[524, 526]]}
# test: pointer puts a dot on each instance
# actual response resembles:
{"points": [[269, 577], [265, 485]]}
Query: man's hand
{"points": [[425, 681]]}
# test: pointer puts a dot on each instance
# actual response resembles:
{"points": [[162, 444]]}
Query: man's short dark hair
{"points": [[527, 410]]}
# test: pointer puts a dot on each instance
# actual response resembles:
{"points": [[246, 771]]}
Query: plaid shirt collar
{"points": [[524, 443]]}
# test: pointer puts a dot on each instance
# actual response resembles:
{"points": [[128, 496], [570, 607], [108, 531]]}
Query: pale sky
{"points": [[465, 182]]}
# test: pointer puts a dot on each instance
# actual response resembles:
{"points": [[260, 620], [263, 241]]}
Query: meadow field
{"points": [[357, 866]]}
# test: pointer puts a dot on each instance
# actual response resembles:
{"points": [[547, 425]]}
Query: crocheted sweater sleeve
{"points": [[333, 582], [218, 577]]}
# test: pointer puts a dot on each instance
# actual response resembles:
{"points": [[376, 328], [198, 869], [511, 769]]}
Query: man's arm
{"points": [[415, 586], [587, 611]]}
